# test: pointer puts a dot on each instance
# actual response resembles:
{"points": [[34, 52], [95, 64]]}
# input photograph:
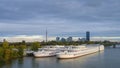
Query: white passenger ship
{"points": [[76, 51], [48, 51]]}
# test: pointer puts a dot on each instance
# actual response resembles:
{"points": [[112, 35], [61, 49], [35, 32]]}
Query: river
{"points": [[109, 58]]}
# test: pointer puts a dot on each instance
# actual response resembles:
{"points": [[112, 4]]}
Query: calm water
{"points": [[110, 58]]}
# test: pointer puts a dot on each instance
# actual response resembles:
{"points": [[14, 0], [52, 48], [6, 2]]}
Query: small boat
{"points": [[29, 53], [76, 51]]}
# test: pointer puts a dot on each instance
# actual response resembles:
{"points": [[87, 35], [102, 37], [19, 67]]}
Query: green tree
{"points": [[20, 51], [1, 53], [35, 46], [6, 51], [5, 44], [7, 54], [14, 51], [23, 42]]}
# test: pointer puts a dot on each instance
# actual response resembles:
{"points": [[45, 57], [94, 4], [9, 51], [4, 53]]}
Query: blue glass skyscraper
{"points": [[87, 36]]}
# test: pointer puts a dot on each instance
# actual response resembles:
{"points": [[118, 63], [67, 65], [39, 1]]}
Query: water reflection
{"points": [[20, 62], [80, 61], [44, 62]]}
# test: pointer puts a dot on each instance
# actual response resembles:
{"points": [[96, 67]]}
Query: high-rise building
{"points": [[63, 40], [79, 39], [87, 36], [69, 39], [57, 39]]}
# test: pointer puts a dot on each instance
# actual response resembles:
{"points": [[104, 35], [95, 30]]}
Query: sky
{"points": [[31, 18]]}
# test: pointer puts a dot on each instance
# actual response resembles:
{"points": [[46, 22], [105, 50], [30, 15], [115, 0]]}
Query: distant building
{"points": [[87, 36], [83, 39], [57, 39], [79, 39], [63, 40], [4, 40], [69, 39]]}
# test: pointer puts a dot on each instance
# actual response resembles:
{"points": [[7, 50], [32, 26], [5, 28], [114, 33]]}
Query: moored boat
{"points": [[44, 53], [47, 51], [79, 51], [29, 53]]}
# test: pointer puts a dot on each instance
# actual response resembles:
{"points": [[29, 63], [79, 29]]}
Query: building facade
{"points": [[69, 39], [57, 39], [87, 36], [63, 40]]}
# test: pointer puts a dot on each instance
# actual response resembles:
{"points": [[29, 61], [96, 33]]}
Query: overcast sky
{"points": [[60, 17]]}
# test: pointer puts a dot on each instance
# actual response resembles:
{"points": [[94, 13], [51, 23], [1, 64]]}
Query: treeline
{"points": [[105, 43], [9, 51]]}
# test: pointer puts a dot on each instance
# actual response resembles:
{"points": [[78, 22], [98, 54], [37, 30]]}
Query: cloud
{"points": [[19, 38], [60, 17], [67, 9]]}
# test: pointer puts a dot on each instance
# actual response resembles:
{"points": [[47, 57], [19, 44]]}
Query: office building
{"points": [[63, 40], [87, 36], [57, 39], [69, 39]]}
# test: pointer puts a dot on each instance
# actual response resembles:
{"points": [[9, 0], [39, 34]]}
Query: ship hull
{"points": [[80, 53]]}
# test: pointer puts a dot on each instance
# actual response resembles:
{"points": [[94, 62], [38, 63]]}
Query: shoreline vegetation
{"points": [[10, 51]]}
